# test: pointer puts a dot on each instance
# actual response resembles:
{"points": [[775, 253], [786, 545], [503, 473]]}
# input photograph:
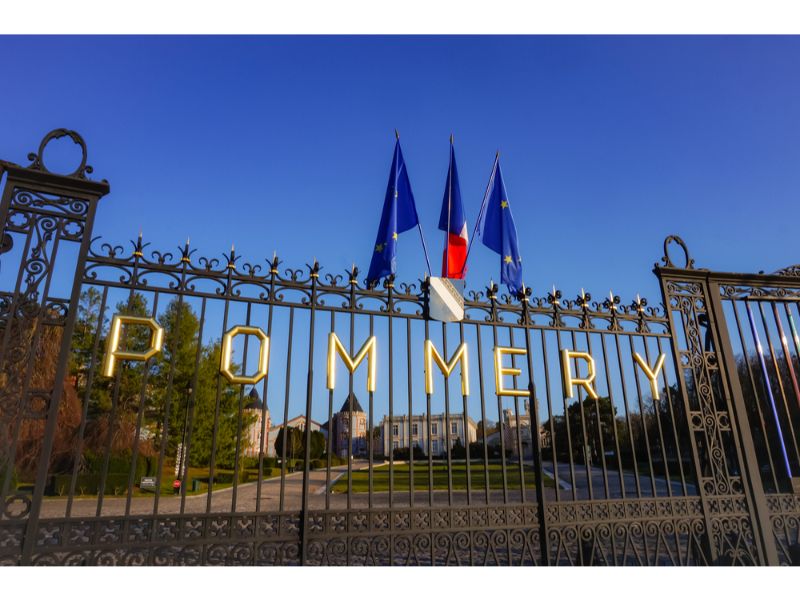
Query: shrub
{"points": [[404, 453], [318, 463], [458, 451], [89, 484], [335, 460]]}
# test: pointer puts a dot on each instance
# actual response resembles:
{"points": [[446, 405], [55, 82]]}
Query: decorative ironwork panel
{"points": [[447, 536], [652, 532], [219, 539]]}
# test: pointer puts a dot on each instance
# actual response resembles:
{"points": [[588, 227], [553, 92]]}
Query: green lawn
{"points": [[401, 476]]}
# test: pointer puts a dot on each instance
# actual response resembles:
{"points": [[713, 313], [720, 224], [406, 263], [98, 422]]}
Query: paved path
{"points": [[579, 480], [221, 500], [244, 499]]}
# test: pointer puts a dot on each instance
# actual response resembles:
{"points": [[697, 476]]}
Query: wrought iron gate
{"points": [[687, 459]]}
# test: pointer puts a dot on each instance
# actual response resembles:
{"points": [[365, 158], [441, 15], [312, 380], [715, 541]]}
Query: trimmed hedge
{"points": [[89, 483]]}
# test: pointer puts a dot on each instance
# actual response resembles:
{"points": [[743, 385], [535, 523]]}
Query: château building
{"points": [[254, 443], [404, 432], [350, 423]]}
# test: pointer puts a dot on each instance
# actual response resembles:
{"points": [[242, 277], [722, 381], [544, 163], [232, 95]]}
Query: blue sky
{"points": [[608, 144]]}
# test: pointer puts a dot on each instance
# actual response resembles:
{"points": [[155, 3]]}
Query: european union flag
{"points": [[498, 232], [399, 215]]}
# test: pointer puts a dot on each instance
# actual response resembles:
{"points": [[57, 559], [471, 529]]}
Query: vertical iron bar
{"points": [[447, 426], [600, 424], [468, 458], [585, 438], [237, 460], [613, 415], [168, 403], [573, 480], [188, 424], [390, 309], [304, 516], [551, 417], [286, 440], [264, 439], [370, 395], [430, 436], [328, 490], [483, 416], [411, 490], [516, 421], [139, 416]]}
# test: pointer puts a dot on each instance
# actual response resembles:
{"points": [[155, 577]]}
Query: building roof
{"points": [[297, 421], [253, 401], [354, 405]]}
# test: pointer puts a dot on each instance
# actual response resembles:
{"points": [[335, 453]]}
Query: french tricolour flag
{"points": [[454, 222]]}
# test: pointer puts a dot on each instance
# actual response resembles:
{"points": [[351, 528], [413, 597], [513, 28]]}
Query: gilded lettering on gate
{"points": [[368, 350], [500, 371], [227, 353], [113, 353], [432, 355], [571, 380]]}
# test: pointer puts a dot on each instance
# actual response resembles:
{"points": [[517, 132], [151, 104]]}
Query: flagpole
{"points": [[419, 225], [483, 206], [424, 247], [449, 208]]}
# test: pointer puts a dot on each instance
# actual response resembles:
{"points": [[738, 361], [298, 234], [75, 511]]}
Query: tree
{"points": [[207, 414], [317, 444], [458, 451], [596, 423], [486, 428], [294, 446]]}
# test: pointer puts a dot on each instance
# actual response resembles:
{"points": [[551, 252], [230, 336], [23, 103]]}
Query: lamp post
{"points": [[182, 452]]}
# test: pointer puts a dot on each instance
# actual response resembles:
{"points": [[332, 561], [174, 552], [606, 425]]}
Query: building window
{"points": [[395, 430], [414, 429], [454, 427], [435, 447], [395, 444], [434, 429]]}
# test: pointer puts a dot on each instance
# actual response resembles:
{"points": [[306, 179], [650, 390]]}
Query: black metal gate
{"points": [[162, 408]]}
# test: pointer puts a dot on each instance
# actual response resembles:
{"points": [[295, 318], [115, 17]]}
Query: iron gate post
{"points": [[64, 201], [691, 292], [753, 487]]}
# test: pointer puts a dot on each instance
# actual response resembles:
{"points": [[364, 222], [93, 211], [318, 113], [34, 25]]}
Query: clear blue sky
{"points": [[608, 144]]}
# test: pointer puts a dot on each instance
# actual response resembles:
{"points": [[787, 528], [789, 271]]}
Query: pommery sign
{"points": [[369, 351]]}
